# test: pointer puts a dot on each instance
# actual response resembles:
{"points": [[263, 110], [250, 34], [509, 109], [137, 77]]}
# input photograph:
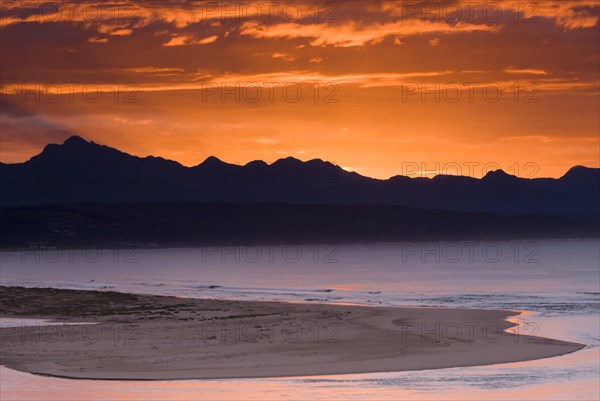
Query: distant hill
{"points": [[79, 171]]}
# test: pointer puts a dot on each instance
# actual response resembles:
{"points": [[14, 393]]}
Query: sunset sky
{"points": [[377, 87]]}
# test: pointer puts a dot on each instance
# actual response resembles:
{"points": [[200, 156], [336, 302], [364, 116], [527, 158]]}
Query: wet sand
{"points": [[140, 337]]}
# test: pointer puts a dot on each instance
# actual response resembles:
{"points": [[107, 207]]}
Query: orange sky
{"points": [[378, 87]]}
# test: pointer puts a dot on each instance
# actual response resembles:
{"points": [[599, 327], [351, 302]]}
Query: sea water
{"points": [[554, 283]]}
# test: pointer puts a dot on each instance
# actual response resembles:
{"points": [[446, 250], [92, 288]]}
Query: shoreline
{"points": [[115, 247], [147, 337]]}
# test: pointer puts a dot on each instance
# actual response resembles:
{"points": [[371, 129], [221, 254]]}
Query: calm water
{"points": [[555, 283]]}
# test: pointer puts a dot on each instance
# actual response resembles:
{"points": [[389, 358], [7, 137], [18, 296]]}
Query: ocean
{"points": [[555, 283]]}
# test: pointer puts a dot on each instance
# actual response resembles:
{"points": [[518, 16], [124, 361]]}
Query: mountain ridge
{"points": [[84, 171], [78, 141]]}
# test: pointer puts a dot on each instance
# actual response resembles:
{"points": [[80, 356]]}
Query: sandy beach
{"points": [[142, 337]]}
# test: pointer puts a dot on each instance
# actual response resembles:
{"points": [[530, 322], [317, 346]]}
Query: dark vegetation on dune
{"points": [[173, 225]]}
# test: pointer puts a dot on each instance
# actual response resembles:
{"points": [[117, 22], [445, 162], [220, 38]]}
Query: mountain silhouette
{"points": [[79, 171]]}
